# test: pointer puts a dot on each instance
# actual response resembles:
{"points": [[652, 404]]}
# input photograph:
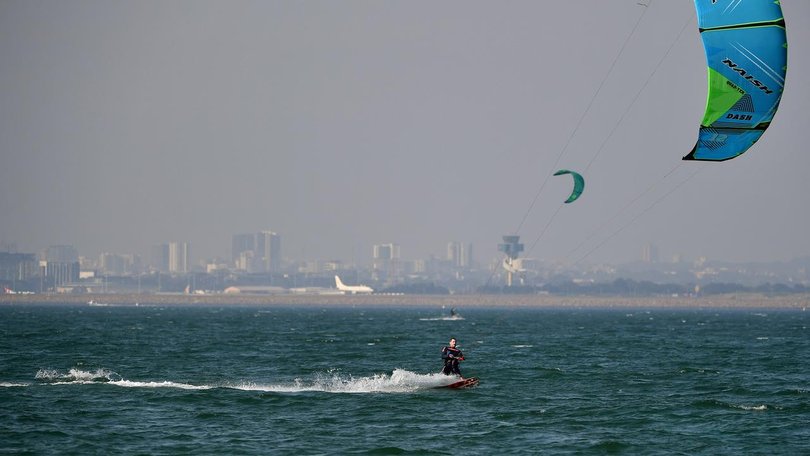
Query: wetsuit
{"points": [[451, 357]]}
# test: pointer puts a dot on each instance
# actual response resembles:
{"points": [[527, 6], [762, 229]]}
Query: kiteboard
{"points": [[463, 383]]}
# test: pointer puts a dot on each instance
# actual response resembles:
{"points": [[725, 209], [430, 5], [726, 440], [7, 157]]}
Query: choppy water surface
{"points": [[266, 380]]}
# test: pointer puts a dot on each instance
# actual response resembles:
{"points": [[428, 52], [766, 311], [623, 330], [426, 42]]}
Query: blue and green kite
{"points": [[746, 52]]}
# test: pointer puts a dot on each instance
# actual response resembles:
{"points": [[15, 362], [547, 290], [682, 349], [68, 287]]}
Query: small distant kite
{"points": [[579, 184], [746, 54]]}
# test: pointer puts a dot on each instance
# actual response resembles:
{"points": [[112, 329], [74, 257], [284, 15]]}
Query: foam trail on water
{"points": [[185, 386], [76, 376], [400, 381]]}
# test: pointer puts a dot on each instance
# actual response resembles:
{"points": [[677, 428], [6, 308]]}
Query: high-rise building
{"points": [[454, 252], [179, 254], [59, 265], [241, 243], [57, 273], [459, 255], [111, 263], [386, 251], [259, 252], [245, 261], [386, 262], [649, 254], [268, 249], [17, 266], [118, 264]]}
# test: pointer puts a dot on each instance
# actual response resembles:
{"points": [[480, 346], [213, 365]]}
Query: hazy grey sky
{"points": [[340, 124]]}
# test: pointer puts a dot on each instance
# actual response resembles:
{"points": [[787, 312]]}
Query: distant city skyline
{"points": [[61, 269], [177, 257]]}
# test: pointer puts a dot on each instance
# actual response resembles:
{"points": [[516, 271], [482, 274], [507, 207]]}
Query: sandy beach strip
{"points": [[742, 301]]}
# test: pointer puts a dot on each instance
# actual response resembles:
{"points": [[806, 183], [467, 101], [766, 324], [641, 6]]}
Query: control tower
{"points": [[511, 247]]}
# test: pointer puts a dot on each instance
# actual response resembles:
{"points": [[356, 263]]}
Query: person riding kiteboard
{"points": [[451, 357]]}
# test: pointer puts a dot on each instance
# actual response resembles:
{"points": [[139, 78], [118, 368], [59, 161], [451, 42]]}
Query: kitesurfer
{"points": [[451, 356]]}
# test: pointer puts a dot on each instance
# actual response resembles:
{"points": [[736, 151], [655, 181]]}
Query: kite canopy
{"points": [[579, 184], [746, 53]]}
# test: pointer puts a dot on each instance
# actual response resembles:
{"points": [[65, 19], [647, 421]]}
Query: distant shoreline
{"points": [[743, 301]]}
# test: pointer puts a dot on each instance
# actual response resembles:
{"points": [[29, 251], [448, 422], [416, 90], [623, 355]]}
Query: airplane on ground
{"points": [[353, 289]]}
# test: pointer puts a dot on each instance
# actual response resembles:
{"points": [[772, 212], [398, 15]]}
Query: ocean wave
{"points": [[548, 372], [12, 385], [758, 408], [697, 370], [714, 403]]}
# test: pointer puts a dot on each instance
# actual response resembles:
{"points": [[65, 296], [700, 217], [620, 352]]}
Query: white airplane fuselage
{"points": [[353, 289]]}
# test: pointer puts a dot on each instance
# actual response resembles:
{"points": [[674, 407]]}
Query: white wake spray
{"points": [[399, 381], [76, 376]]}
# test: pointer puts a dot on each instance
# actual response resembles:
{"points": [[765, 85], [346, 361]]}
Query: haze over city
{"points": [[340, 125]]}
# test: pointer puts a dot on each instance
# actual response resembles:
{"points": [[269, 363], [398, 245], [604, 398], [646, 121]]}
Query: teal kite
{"points": [[746, 54], [579, 184]]}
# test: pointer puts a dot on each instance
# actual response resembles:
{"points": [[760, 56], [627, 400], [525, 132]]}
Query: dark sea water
{"points": [[269, 380]]}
